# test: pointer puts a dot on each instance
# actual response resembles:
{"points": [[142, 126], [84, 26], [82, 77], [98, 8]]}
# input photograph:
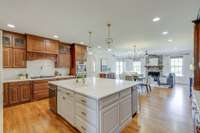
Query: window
{"points": [[137, 67], [119, 67], [177, 66]]}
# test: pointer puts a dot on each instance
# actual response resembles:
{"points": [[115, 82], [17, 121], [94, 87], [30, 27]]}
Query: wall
{"points": [[187, 73], [1, 86]]}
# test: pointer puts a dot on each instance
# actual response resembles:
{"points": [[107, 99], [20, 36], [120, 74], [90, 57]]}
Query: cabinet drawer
{"points": [[83, 126], [91, 103], [65, 92], [109, 100], [125, 93], [86, 113]]}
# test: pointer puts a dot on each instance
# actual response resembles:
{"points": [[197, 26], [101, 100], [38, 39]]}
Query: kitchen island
{"points": [[98, 105]]}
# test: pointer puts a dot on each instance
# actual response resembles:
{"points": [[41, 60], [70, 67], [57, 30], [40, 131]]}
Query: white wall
{"points": [[1, 86], [187, 73]]}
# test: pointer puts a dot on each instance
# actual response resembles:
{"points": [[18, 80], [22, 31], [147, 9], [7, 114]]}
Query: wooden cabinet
{"points": [[19, 41], [7, 57], [197, 54], [5, 94], [40, 89], [81, 53], [51, 46], [35, 44], [25, 92], [78, 53], [19, 58], [64, 56], [7, 39], [14, 50], [42, 45], [16, 93]]}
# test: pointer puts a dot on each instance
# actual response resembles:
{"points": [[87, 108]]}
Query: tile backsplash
{"points": [[40, 68], [34, 68]]}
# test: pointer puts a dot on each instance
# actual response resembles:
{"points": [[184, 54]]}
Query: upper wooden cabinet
{"points": [[35, 44], [64, 56], [19, 41], [42, 45], [52, 46], [197, 55], [7, 57], [81, 53], [19, 58], [7, 39], [14, 50]]}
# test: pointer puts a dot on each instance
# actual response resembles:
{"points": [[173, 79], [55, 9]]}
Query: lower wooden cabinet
{"points": [[40, 89], [15, 93], [5, 94]]}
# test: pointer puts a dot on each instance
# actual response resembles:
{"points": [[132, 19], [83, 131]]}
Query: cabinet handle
{"points": [[83, 113], [83, 128]]}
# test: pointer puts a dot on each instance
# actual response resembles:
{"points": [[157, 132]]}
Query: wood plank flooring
{"points": [[164, 111]]}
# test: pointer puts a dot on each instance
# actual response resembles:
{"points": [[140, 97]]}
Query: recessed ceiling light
{"points": [[11, 25], [156, 19], [98, 46], [109, 49], [81, 42], [170, 40], [55, 36], [165, 32]]}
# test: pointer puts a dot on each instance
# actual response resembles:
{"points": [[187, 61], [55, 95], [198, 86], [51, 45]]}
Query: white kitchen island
{"points": [[98, 105]]}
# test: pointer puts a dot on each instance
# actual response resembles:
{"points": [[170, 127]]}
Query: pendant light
{"points": [[89, 49], [108, 40]]}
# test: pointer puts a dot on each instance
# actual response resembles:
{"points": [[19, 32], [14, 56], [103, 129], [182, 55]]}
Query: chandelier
{"points": [[108, 40]]}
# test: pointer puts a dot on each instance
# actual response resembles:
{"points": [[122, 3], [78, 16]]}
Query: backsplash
{"points": [[40, 68], [34, 68]]}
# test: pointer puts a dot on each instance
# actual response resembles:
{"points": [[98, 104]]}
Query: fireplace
{"points": [[154, 75]]}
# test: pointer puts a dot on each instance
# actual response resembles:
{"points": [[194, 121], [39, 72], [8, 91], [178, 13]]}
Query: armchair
{"points": [[169, 80]]}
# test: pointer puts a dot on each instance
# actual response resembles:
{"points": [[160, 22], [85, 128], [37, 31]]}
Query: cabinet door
{"points": [[134, 100], [35, 44], [110, 119], [5, 94], [19, 58], [19, 41], [7, 39], [14, 93], [40, 89], [25, 92], [125, 111], [7, 57], [64, 60], [52, 47]]}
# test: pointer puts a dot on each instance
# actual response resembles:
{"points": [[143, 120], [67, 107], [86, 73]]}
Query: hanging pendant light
{"points": [[109, 40], [89, 49]]}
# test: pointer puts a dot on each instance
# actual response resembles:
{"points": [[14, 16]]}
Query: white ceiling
{"points": [[131, 21]]}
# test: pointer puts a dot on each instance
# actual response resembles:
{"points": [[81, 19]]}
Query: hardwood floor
{"points": [[164, 111]]}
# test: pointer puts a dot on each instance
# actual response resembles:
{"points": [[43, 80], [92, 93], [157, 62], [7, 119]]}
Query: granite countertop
{"points": [[96, 88], [29, 79]]}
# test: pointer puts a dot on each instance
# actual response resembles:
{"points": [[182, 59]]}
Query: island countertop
{"points": [[96, 88]]}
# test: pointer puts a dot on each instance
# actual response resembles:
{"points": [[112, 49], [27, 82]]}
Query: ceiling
{"points": [[131, 21]]}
